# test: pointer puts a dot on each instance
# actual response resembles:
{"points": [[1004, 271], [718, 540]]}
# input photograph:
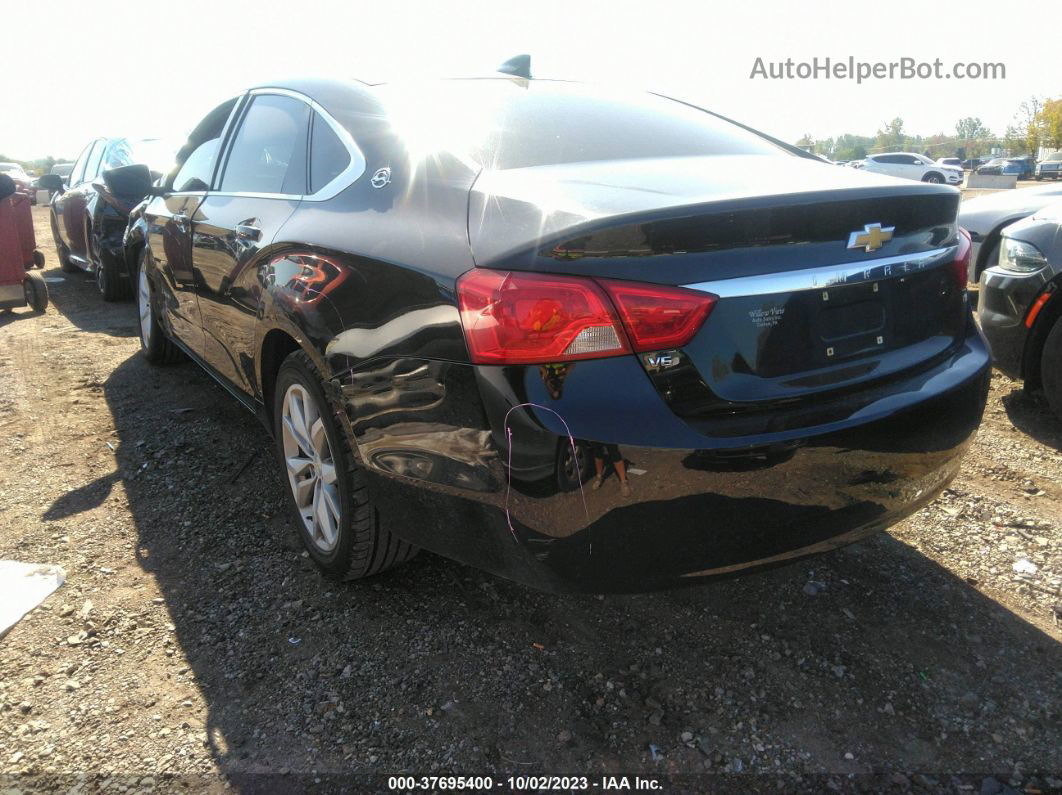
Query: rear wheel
{"points": [[155, 345], [36, 291], [326, 488], [1051, 368]]}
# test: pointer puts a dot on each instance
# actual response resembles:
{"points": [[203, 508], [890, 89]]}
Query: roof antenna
{"points": [[518, 66]]}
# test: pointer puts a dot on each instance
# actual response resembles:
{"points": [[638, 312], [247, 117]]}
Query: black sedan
{"points": [[1020, 306], [585, 339], [90, 210]]}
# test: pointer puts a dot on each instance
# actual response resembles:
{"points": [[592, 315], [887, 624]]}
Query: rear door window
{"points": [[268, 155]]}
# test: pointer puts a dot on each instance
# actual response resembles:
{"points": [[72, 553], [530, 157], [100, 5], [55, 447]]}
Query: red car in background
{"points": [[23, 181]]}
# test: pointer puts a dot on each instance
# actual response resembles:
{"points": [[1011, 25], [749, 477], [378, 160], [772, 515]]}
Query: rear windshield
{"points": [[503, 124]]}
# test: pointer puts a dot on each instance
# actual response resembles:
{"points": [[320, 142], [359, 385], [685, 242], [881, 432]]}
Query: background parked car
{"points": [[1020, 305], [1050, 167], [953, 162], [62, 170], [23, 181], [89, 216], [985, 217], [999, 166], [912, 166], [973, 162], [1028, 166]]}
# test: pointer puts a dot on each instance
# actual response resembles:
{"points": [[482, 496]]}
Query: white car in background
{"points": [[986, 216], [911, 166]]}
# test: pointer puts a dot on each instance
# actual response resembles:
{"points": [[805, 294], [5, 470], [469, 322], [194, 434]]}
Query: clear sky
{"points": [[80, 68]]}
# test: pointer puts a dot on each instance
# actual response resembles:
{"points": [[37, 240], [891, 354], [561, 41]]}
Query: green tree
{"points": [[891, 138], [971, 128]]}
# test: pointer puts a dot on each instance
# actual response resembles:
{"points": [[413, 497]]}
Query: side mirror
{"points": [[50, 182], [157, 190]]}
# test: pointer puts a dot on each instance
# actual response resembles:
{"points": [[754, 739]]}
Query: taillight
{"points": [[658, 317], [532, 318], [961, 264]]}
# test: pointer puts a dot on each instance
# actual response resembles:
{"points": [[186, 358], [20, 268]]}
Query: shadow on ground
{"points": [[1031, 415]]}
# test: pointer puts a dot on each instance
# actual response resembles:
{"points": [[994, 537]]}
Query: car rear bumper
{"points": [[700, 506]]}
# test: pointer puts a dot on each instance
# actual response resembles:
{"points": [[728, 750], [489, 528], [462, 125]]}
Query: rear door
{"points": [[169, 223], [71, 205], [262, 181]]}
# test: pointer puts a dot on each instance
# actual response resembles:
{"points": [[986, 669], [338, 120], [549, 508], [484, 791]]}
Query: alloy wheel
{"points": [[310, 467], [144, 302]]}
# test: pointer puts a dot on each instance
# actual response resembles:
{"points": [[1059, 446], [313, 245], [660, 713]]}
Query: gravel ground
{"points": [[194, 638]]}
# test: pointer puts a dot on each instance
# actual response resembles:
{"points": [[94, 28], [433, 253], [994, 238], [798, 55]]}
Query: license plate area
{"points": [[851, 320]]}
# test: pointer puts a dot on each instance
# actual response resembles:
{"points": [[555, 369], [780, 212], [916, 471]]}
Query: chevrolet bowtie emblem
{"points": [[873, 237]]}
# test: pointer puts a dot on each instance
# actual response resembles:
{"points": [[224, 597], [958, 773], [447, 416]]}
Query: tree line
{"points": [[1037, 123]]}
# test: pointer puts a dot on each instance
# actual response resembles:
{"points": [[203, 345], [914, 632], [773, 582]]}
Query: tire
{"points": [[108, 282], [36, 291], [336, 521], [990, 260], [933, 178], [156, 346], [1051, 368]]}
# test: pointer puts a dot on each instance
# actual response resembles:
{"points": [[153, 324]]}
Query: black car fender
{"points": [[1049, 314]]}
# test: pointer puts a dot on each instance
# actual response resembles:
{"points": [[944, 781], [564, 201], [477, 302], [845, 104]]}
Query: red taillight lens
{"points": [[658, 317], [961, 264], [533, 318]]}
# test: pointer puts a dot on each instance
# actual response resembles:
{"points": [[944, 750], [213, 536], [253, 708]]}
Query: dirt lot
{"points": [[194, 637]]}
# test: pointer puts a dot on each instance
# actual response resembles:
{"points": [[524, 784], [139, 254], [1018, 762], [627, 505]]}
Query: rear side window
{"points": [[79, 165], [92, 165], [328, 155], [268, 154]]}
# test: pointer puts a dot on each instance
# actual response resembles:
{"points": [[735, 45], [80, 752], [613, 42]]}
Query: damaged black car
{"points": [[584, 338], [90, 210]]}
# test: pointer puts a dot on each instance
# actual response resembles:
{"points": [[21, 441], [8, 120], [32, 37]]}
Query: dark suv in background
{"points": [[90, 209]]}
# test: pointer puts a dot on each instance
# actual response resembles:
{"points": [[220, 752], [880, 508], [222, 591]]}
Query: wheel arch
{"points": [[989, 242], [1050, 314], [928, 174]]}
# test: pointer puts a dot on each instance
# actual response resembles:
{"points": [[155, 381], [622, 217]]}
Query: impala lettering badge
{"points": [[873, 237]]}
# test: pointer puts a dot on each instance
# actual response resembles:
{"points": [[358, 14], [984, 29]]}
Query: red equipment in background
{"points": [[31, 257], [18, 287]]}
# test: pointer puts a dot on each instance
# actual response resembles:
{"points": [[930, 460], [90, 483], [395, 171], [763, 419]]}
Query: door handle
{"points": [[180, 220], [248, 232]]}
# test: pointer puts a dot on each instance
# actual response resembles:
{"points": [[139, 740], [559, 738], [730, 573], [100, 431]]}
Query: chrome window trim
{"points": [[347, 177], [827, 276]]}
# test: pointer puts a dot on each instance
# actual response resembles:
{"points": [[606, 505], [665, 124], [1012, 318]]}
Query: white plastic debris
{"points": [[23, 586], [1025, 566]]}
